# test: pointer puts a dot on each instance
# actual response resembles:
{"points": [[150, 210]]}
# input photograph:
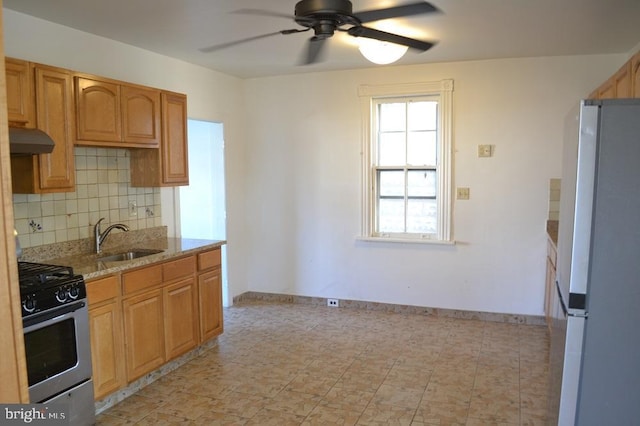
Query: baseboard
{"points": [[254, 296]]}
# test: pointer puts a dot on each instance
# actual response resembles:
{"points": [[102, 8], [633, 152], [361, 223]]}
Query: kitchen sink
{"points": [[128, 255]]}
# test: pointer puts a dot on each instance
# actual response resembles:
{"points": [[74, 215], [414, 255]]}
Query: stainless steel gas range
{"points": [[56, 337]]}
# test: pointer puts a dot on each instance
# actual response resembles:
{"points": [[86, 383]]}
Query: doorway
{"points": [[202, 203]]}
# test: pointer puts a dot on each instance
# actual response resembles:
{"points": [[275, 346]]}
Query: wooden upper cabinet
{"points": [[54, 172], [635, 76], [625, 83], [622, 81], [175, 164], [20, 93], [98, 109], [140, 115], [113, 114], [168, 166], [607, 90]]}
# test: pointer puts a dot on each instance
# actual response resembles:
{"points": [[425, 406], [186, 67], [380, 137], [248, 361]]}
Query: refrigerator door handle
{"points": [[564, 307], [572, 311]]}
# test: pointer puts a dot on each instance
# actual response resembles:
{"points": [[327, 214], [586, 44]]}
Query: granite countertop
{"points": [[89, 267]]}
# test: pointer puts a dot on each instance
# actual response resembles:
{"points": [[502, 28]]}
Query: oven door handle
{"points": [[47, 315]]}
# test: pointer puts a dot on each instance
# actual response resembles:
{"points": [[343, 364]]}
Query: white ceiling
{"points": [[465, 30]]}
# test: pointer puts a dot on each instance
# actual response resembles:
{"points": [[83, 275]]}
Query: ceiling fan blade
{"points": [[244, 40], [314, 50], [361, 31], [396, 12], [261, 12]]}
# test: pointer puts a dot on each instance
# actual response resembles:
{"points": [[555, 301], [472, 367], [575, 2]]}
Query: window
{"points": [[406, 161]]}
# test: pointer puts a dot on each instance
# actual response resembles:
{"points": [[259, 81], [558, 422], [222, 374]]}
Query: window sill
{"points": [[406, 240]]}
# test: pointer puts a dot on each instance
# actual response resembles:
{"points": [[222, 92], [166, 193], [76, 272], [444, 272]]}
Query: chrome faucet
{"points": [[100, 237]]}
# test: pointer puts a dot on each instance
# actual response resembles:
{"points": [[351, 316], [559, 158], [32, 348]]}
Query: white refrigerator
{"points": [[595, 337]]}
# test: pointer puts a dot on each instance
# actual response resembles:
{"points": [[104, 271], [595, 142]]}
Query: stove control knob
{"points": [[29, 305], [61, 295], [73, 292]]}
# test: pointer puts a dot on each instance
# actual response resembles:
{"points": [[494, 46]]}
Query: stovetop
{"points": [[37, 276], [44, 287]]}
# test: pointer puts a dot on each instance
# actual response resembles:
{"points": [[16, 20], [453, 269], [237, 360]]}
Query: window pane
{"points": [[391, 183], [423, 115], [421, 216], [422, 183], [392, 117], [391, 215], [422, 148], [392, 151]]}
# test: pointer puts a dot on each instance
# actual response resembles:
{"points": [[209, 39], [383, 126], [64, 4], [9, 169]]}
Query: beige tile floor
{"points": [[292, 364]]}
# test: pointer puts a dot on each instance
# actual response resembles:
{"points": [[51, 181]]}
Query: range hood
{"points": [[29, 141]]}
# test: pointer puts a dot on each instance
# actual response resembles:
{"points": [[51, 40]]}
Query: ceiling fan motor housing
{"points": [[324, 16], [327, 7]]}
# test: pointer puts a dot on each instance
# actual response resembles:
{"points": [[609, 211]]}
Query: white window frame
{"points": [[442, 91]]}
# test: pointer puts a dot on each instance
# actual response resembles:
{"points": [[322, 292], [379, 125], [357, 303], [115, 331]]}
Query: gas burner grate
{"points": [[39, 273]]}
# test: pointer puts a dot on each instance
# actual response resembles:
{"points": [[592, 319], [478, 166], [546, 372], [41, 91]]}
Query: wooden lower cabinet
{"points": [[107, 350], [180, 317], [147, 316], [210, 300], [550, 282], [144, 333], [107, 341]]}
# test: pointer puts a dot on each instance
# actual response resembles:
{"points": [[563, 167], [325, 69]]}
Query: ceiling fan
{"points": [[325, 17]]}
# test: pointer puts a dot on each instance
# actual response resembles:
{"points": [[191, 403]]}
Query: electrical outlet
{"points": [[462, 193], [333, 303], [133, 209]]}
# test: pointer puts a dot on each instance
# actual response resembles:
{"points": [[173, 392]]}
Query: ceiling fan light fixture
{"points": [[381, 52]]}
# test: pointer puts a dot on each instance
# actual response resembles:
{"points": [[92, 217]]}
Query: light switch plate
{"points": [[485, 151], [462, 193]]}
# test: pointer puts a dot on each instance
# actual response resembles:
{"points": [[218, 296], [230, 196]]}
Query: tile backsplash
{"points": [[103, 189], [554, 199]]}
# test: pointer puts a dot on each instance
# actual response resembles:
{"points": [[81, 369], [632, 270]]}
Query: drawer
{"points": [[103, 289], [209, 259], [141, 278], [179, 268]]}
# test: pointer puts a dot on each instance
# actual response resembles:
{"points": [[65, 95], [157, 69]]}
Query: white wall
{"points": [[303, 180], [293, 169]]}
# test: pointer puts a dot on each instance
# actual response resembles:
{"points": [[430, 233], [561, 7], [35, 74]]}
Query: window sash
{"points": [[440, 90]]}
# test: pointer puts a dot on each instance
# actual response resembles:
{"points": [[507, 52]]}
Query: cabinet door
{"points": [[181, 317], [20, 93], [550, 291], [140, 116], [144, 333], [210, 299], [98, 110], [107, 349], [54, 105], [622, 81], [607, 90], [635, 76], [174, 154]]}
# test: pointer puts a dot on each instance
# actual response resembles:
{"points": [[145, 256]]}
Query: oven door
{"points": [[57, 349]]}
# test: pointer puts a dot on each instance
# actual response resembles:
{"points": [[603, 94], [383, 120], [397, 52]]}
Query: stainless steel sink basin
{"points": [[128, 255]]}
